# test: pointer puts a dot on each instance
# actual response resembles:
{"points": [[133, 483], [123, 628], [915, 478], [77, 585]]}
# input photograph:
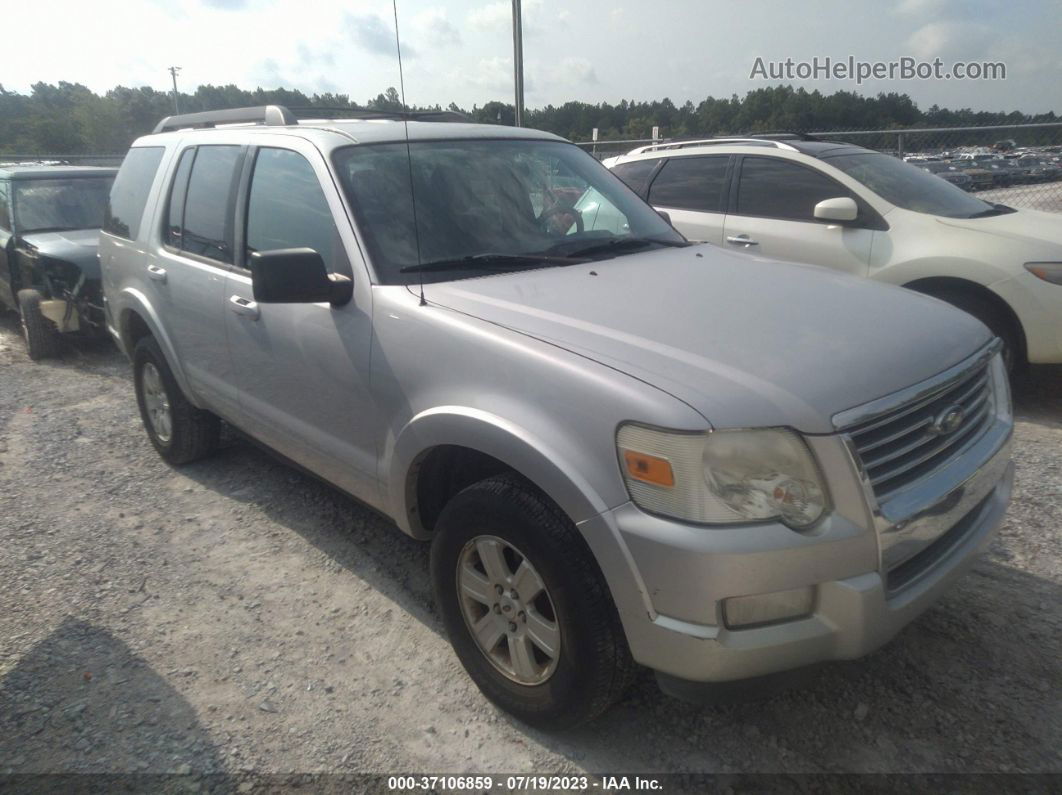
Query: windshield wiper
{"points": [[995, 209], [490, 260], [620, 243]]}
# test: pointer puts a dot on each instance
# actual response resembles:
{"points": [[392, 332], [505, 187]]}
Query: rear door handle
{"points": [[241, 306], [156, 273], [742, 240]]}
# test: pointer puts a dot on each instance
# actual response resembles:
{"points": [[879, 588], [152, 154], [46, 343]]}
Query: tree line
{"points": [[68, 118]]}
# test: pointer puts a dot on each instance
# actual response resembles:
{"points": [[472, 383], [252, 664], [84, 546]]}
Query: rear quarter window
{"points": [[636, 174], [129, 194]]}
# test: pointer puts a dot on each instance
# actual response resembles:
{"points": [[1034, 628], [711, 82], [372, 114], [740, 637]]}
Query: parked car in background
{"points": [[624, 448], [1043, 170], [50, 218], [947, 172], [981, 177], [869, 214]]}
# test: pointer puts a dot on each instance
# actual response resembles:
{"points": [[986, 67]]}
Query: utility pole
{"points": [[173, 70], [518, 61]]}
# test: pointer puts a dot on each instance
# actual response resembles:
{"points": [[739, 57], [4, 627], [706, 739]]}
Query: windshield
{"points": [[494, 200], [909, 187], [59, 204]]}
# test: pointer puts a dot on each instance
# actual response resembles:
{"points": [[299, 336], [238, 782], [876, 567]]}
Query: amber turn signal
{"points": [[649, 468]]}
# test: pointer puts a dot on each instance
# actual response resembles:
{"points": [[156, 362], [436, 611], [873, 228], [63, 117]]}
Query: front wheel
{"points": [[41, 335], [526, 606], [179, 431]]}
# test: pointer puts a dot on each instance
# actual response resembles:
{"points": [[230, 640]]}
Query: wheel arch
{"points": [[441, 451], [935, 285], [136, 319]]}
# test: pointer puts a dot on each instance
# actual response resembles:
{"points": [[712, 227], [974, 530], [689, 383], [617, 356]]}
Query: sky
{"points": [[591, 51]]}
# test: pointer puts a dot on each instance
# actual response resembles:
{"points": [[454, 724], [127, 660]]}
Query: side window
{"points": [[775, 188], [287, 208], [5, 205], [207, 226], [636, 174], [178, 190], [691, 183], [129, 194]]}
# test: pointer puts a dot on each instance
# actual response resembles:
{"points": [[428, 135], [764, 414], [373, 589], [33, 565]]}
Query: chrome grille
{"points": [[900, 447]]}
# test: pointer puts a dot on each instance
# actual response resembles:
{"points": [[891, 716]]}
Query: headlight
{"points": [[723, 477], [1048, 271]]}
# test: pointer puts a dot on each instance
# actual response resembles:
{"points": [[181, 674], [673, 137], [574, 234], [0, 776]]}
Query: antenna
{"points": [[398, 46], [409, 151]]}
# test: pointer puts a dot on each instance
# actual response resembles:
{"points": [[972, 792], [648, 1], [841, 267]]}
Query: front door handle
{"points": [[156, 273], [241, 306], [742, 240]]}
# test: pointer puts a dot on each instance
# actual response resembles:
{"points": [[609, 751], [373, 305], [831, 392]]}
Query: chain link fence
{"points": [[1018, 165]]}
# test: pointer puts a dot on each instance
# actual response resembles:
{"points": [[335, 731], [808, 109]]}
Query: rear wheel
{"points": [[179, 431], [41, 335], [526, 606]]}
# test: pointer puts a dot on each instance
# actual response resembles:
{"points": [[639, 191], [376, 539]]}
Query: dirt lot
{"points": [[236, 616]]}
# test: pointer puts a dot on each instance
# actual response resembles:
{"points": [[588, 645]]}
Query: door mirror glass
{"points": [[842, 208], [296, 276]]}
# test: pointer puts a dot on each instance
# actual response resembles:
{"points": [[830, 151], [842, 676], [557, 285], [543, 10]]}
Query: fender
{"points": [[487, 433], [540, 463], [133, 300], [964, 268]]}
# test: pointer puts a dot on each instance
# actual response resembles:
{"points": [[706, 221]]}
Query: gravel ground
{"points": [[235, 616]]}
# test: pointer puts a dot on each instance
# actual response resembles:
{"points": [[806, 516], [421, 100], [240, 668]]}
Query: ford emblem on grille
{"points": [[948, 421]]}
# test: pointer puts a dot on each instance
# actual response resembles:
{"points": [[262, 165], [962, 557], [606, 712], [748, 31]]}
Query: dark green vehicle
{"points": [[50, 217]]}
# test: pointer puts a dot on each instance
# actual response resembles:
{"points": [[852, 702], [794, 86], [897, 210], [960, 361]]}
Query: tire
{"points": [[593, 665], [41, 335], [999, 324], [190, 433]]}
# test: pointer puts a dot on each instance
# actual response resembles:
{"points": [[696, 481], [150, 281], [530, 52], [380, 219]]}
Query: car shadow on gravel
{"points": [[81, 701], [1037, 394]]}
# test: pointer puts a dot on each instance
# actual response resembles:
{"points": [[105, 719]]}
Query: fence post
{"points": [[899, 145]]}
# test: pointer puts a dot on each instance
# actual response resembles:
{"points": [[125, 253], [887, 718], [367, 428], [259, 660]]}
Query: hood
{"points": [[1030, 226], [76, 246], [747, 342]]}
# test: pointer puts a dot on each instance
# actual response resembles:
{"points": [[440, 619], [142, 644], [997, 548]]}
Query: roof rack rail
{"points": [[784, 135], [401, 115], [711, 142], [269, 115]]}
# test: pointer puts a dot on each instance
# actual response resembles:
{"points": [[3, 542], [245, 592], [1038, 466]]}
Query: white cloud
{"points": [[434, 29], [923, 8], [950, 40], [374, 34], [489, 74], [498, 16]]}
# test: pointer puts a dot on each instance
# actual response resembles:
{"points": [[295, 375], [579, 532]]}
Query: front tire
{"points": [[179, 431], [41, 335], [998, 323], [526, 606]]}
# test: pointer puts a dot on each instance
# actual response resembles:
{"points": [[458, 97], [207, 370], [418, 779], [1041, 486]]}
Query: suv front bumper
{"points": [[686, 573]]}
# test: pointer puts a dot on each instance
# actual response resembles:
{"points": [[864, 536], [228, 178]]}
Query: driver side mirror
{"points": [[843, 209], [296, 276]]}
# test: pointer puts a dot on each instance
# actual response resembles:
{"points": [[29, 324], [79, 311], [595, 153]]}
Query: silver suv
{"points": [[624, 448]]}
